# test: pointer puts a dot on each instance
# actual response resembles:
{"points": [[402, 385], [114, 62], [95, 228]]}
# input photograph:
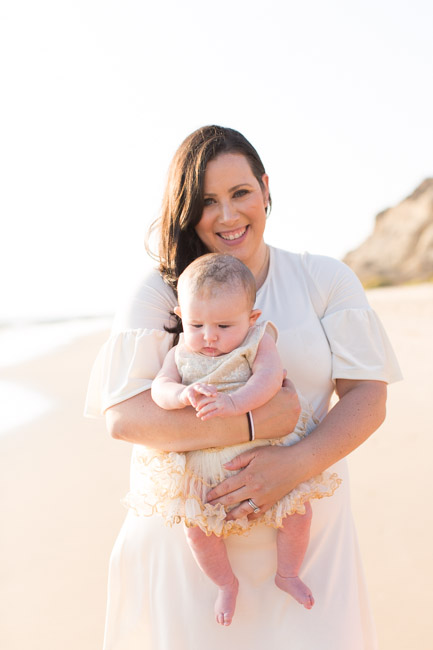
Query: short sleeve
{"points": [[130, 359], [360, 347], [125, 366]]}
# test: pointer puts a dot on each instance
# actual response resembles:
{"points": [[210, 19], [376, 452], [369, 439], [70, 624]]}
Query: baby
{"points": [[224, 364]]}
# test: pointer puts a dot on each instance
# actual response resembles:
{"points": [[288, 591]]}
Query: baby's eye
{"points": [[224, 327], [196, 326]]}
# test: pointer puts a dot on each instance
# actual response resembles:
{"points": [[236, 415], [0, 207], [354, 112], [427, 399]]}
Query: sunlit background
{"points": [[97, 95]]}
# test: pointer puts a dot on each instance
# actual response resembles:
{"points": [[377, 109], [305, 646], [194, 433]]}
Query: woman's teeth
{"points": [[233, 235]]}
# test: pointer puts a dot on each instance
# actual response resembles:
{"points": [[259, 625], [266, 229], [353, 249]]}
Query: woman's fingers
{"points": [[232, 490], [244, 508], [233, 482], [266, 474], [241, 461], [223, 492]]}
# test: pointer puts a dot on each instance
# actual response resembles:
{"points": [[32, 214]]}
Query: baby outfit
{"points": [[176, 484]]}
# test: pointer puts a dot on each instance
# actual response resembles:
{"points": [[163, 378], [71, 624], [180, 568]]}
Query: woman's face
{"points": [[234, 213]]}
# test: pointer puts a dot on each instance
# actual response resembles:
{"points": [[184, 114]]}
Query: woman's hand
{"points": [[266, 475]]}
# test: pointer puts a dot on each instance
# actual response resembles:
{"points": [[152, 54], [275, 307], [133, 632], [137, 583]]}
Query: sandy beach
{"points": [[62, 480]]}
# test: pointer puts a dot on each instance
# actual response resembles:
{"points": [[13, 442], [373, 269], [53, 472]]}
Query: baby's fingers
{"points": [[188, 396], [207, 411], [204, 401], [205, 389]]}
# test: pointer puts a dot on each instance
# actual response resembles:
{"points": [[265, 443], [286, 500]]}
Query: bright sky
{"points": [[97, 94]]}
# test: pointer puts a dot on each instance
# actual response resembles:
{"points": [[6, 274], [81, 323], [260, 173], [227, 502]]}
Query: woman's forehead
{"points": [[228, 169]]}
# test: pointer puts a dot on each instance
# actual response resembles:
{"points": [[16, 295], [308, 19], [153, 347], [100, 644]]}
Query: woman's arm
{"points": [[268, 473], [140, 420]]}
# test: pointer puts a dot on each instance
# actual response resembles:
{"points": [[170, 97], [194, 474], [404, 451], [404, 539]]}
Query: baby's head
{"points": [[216, 296]]}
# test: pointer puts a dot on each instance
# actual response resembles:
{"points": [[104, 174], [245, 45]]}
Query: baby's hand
{"points": [[191, 395], [220, 405]]}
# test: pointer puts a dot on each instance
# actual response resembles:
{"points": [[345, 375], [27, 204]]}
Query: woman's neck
{"points": [[260, 273]]}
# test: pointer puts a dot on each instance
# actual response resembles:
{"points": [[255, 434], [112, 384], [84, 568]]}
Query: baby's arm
{"points": [[169, 392], [265, 381]]}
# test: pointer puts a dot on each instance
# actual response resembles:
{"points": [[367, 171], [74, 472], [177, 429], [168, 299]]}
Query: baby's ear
{"points": [[255, 314], [177, 311]]}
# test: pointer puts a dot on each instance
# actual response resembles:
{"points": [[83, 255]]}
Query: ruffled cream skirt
{"points": [[175, 486]]}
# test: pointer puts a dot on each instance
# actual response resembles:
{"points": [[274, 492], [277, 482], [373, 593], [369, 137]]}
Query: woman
{"points": [[216, 200]]}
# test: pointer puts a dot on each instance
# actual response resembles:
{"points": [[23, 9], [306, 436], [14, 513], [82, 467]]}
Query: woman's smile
{"points": [[233, 235]]}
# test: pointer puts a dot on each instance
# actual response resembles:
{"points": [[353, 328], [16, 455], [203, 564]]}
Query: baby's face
{"points": [[215, 324]]}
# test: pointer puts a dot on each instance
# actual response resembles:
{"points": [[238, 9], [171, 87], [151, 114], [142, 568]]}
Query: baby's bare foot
{"points": [[295, 587], [226, 602]]}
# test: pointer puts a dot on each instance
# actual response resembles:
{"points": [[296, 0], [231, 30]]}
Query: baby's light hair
{"points": [[217, 272]]}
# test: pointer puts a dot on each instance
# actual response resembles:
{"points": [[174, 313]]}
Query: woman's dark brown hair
{"points": [[183, 203]]}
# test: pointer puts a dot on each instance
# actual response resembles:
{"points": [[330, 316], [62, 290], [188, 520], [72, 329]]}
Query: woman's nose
{"points": [[228, 213]]}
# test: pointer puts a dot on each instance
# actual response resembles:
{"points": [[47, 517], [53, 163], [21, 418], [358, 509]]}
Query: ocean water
{"points": [[22, 343]]}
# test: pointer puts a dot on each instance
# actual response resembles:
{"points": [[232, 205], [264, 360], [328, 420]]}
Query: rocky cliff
{"points": [[400, 249]]}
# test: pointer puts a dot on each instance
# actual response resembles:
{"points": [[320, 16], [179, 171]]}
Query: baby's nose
{"points": [[210, 335]]}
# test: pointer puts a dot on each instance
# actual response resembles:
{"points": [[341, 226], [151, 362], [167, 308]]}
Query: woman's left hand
{"points": [[268, 473], [263, 478]]}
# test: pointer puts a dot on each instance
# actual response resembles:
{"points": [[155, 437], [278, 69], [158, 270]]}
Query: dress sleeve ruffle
{"points": [[360, 347], [125, 366]]}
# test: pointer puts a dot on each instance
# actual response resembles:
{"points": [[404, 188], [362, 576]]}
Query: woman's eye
{"points": [[240, 193], [208, 202]]}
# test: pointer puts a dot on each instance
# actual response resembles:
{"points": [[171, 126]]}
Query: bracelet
{"points": [[251, 426]]}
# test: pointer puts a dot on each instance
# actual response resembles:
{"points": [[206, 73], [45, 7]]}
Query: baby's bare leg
{"points": [[292, 543], [210, 554]]}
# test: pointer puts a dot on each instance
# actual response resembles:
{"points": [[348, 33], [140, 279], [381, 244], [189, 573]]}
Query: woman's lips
{"points": [[233, 235]]}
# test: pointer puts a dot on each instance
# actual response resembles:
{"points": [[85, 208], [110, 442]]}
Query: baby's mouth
{"points": [[233, 234], [210, 351]]}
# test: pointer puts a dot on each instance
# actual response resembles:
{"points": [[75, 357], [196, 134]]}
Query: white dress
{"points": [[175, 485], [158, 599]]}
